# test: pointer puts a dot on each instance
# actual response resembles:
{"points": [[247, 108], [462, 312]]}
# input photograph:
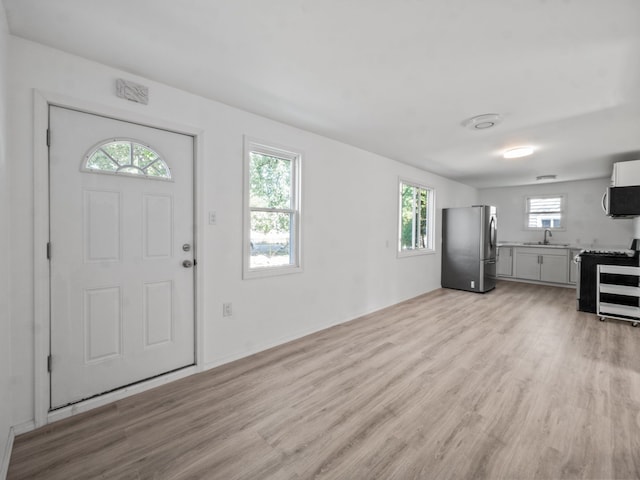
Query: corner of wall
{"points": [[6, 401], [6, 457]]}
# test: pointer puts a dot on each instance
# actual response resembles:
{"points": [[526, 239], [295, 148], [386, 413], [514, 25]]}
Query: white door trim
{"points": [[41, 102]]}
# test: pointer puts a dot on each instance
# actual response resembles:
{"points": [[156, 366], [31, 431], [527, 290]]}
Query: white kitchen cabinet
{"points": [[626, 174], [573, 268], [542, 264], [527, 264], [553, 268], [505, 262]]}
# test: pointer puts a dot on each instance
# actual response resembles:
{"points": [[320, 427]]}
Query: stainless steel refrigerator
{"points": [[469, 244]]}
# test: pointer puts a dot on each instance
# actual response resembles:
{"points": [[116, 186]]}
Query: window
{"points": [[272, 211], [126, 157], [416, 219], [544, 212]]}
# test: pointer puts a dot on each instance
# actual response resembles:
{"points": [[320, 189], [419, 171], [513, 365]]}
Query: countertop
{"points": [[570, 246], [537, 245]]}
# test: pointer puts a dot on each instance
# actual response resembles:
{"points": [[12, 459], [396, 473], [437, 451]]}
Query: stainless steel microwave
{"points": [[622, 201]]}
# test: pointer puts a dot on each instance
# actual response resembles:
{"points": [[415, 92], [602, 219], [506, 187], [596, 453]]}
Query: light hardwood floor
{"points": [[454, 385]]}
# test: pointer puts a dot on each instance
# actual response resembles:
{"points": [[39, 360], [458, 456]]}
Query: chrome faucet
{"points": [[546, 240]]}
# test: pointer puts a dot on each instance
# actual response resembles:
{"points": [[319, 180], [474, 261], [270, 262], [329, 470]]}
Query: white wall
{"points": [[5, 322], [349, 224], [586, 226]]}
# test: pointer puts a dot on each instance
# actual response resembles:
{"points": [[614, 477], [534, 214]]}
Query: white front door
{"points": [[121, 213]]}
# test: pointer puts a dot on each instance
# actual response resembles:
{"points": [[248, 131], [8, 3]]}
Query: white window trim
{"points": [[563, 213], [269, 148], [431, 216]]}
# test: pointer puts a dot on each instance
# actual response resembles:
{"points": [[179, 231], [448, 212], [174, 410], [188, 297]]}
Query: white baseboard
{"points": [[4, 466], [24, 427], [217, 362]]}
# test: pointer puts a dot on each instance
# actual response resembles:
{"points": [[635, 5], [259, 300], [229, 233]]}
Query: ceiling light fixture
{"points": [[546, 177], [518, 152], [482, 122]]}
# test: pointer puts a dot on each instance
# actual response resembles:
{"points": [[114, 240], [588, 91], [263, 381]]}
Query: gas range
{"points": [[607, 252]]}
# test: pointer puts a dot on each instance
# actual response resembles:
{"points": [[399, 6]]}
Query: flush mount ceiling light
{"points": [[482, 122], [518, 152], [546, 177]]}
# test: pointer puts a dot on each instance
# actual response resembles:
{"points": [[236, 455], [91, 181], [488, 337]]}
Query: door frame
{"points": [[41, 266]]}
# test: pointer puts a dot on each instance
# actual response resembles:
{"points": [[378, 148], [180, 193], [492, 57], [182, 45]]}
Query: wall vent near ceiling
{"points": [[132, 91]]}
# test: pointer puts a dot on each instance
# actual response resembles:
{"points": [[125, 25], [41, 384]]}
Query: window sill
{"points": [[415, 253], [270, 272]]}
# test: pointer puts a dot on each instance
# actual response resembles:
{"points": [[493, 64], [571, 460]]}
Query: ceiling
{"points": [[393, 77]]}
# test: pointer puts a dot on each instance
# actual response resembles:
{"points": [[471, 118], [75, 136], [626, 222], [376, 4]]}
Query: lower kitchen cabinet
{"points": [[527, 265], [553, 268], [573, 268], [505, 262], [542, 264]]}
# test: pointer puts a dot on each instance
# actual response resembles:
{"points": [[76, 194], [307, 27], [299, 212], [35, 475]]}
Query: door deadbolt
{"points": [[186, 247], [187, 264]]}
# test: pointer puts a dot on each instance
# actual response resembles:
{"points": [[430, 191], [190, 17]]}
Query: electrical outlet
{"points": [[212, 218], [227, 311]]}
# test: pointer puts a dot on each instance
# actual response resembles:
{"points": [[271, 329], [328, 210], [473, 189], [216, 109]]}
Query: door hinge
{"points": [[49, 362], [48, 137], [48, 250]]}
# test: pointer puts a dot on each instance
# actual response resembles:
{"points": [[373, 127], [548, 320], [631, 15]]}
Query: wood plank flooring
{"points": [[511, 384]]}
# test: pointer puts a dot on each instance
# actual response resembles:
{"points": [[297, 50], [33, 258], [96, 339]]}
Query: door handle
{"points": [[187, 264], [491, 230]]}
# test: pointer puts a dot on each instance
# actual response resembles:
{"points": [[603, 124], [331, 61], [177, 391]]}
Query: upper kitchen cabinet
{"points": [[626, 174]]}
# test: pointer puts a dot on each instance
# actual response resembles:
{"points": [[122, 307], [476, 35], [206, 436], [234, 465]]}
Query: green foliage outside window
{"points": [[270, 187], [124, 156], [413, 217], [272, 210]]}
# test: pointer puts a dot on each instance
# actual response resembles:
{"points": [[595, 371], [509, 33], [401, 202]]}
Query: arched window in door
{"points": [[126, 157]]}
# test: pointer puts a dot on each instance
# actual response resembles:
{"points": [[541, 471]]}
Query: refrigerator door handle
{"points": [[491, 229]]}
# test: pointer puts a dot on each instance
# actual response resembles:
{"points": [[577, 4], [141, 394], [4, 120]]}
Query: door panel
{"points": [[158, 313], [101, 222], [554, 269], [505, 261], [158, 226], [102, 323], [122, 304], [527, 266]]}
